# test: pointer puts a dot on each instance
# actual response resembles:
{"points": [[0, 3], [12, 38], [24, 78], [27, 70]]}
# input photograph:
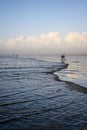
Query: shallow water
{"points": [[76, 71], [31, 98]]}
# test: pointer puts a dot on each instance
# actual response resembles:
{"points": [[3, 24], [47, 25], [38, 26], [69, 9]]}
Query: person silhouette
{"points": [[62, 58]]}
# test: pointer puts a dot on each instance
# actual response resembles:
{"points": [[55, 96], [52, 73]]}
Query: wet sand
{"points": [[70, 85]]}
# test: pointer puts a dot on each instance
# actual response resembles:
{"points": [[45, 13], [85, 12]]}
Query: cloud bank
{"points": [[51, 43]]}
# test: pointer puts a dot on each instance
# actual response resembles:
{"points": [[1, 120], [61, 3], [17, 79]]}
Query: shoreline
{"points": [[70, 85]]}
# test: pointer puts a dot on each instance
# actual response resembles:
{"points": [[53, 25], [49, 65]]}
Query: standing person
{"points": [[62, 58]]}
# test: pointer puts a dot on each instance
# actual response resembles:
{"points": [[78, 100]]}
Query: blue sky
{"points": [[32, 26], [32, 17]]}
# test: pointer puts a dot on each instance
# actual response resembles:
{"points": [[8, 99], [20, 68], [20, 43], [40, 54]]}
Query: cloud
{"points": [[50, 43], [76, 37], [76, 42]]}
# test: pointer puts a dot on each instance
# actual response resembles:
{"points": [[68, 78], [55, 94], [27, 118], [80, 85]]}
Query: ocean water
{"points": [[76, 71], [33, 98]]}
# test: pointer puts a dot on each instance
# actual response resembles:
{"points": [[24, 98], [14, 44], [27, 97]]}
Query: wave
{"points": [[70, 85]]}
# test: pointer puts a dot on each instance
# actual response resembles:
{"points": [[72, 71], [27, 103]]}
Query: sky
{"points": [[39, 27]]}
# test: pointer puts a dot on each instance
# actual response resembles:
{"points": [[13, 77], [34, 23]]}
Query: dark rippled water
{"points": [[31, 98]]}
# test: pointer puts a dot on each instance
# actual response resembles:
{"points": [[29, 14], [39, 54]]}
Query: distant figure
{"points": [[17, 56], [62, 58]]}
